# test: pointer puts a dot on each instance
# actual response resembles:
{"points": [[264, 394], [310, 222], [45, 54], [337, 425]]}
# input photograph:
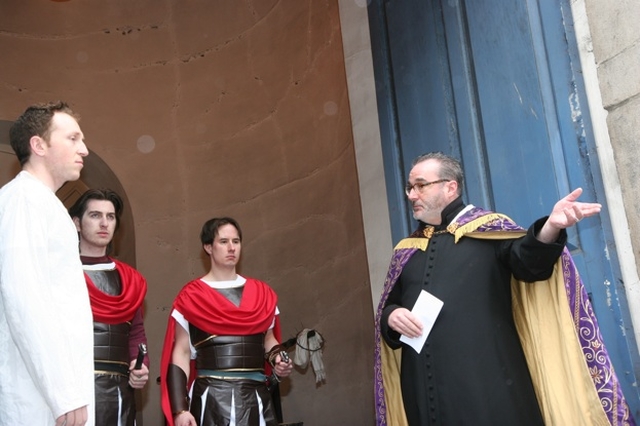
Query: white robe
{"points": [[46, 327]]}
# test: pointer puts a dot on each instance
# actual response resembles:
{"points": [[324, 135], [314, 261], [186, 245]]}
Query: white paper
{"points": [[427, 309]]}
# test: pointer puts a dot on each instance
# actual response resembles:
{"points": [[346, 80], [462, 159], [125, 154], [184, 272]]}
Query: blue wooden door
{"points": [[497, 84]]}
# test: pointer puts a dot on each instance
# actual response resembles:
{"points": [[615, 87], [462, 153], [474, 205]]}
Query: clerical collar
{"points": [[448, 214]]}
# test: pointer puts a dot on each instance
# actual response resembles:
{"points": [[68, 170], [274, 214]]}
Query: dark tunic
{"points": [[472, 370]]}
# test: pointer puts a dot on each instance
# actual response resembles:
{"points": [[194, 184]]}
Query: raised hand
{"points": [[566, 212]]}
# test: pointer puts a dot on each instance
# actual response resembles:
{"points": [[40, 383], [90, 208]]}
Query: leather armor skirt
{"points": [[115, 402], [230, 389], [231, 402]]}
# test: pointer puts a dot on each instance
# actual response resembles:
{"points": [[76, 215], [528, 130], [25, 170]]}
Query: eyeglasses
{"points": [[420, 187]]}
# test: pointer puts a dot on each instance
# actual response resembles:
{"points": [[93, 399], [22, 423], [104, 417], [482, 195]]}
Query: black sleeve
{"points": [[530, 259]]}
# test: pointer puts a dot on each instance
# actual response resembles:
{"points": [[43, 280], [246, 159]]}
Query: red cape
{"points": [[118, 309], [213, 313]]}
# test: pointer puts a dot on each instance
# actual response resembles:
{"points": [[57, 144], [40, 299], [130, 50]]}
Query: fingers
{"points": [[283, 369], [578, 211], [138, 378], [574, 211], [142, 370], [574, 215], [184, 419], [137, 382], [76, 417], [405, 323], [73, 420], [589, 209], [574, 195]]}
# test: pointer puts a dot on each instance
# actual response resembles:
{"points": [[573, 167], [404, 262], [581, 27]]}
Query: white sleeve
{"points": [[180, 319], [273, 323]]}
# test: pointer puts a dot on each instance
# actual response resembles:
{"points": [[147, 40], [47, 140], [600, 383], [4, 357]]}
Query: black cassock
{"points": [[471, 370]]}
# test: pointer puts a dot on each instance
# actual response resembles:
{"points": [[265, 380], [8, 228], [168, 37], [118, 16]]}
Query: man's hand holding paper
{"points": [[426, 311]]}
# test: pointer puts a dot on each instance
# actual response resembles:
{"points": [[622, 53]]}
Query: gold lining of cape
{"points": [[560, 374], [390, 360]]}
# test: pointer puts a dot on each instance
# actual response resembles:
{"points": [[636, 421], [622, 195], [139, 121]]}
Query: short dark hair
{"points": [[211, 227], [450, 168], [35, 121], [80, 206]]}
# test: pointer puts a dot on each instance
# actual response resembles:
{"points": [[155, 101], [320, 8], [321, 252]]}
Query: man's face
{"points": [[65, 149], [226, 247], [428, 203], [96, 227]]}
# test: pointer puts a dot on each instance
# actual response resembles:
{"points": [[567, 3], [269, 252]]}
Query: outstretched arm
{"points": [[567, 212]]}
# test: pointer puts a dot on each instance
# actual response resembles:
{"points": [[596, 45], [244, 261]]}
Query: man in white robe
{"points": [[46, 334]]}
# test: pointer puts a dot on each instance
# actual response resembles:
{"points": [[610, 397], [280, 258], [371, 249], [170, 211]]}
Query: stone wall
{"points": [[616, 47], [609, 42]]}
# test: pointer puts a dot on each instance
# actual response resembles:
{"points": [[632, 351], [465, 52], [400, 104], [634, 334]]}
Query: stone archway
{"points": [[96, 174]]}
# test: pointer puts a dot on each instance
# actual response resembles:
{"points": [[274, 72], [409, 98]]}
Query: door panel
{"points": [[497, 84]]}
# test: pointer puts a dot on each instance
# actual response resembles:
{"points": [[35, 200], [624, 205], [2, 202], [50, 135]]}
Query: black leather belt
{"points": [[111, 367]]}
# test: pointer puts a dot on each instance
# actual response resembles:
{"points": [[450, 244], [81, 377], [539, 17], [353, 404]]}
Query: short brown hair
{"points": [[35, 121], [210, 228]]}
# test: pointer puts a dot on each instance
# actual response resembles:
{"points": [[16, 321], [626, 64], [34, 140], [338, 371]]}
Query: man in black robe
{"points": [[472, 369]]}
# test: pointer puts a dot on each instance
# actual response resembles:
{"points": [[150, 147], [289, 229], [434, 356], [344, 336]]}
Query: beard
{"points": [[430, 210]]}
